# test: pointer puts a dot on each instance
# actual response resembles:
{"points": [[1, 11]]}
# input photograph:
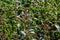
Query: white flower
{"points": [[22, 12], [40, 37], [18, 25], [31, 31], [26, 25], [23, 33], [35, 18], [18, 16], [43, 39], [55, 7], [17, 7], [58, 27], [56, 13]]}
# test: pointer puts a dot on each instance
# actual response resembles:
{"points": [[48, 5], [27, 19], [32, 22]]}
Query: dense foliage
{"points": [[29, 19]]}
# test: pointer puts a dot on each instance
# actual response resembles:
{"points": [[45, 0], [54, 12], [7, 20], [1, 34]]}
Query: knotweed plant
{"points": [[29, 19]]}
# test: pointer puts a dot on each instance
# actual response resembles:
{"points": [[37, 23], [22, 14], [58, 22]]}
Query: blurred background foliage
{"points": [[29, 19]]}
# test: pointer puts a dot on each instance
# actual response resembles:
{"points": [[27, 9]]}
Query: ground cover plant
{"points": [[29, 19]]}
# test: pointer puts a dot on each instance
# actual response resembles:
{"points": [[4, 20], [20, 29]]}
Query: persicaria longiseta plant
{"points": [[29, 19]]}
